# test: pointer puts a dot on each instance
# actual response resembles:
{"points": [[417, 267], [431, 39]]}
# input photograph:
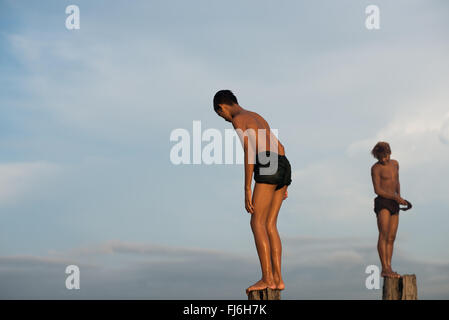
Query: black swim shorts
{"points": [[383, 203], [266, 170]]}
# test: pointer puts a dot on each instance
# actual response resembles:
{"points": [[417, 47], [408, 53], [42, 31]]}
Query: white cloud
{"points": [[413, 129], [339, 186], [112, 91], [18, 179], [117, 247], [444, 131]]}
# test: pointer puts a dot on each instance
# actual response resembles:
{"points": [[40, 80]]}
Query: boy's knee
{"points": [[271, 227], [257, 223], [383, 236], [390, 239]]}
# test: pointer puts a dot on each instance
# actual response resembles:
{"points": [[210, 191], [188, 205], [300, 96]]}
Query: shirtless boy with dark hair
{"points": [[265, 156], [385, 176]]}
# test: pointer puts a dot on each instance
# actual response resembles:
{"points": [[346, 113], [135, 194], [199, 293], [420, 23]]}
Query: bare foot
{"points": [[260, 285], [392, 273], [387, 274], [279, 283], [395, 274]]}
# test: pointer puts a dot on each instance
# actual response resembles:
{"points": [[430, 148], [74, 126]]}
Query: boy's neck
{"points": [[237, 110]]}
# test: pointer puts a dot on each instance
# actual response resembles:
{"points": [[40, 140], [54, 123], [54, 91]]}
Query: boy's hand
{"points": [[248, 201], [399, 200], [402, 201]]}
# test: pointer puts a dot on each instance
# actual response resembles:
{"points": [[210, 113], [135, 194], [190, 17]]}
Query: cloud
{"points": [[444, 131], [413, 128], [314, 268], [414, 125], [19, 178], [88, 85], [116, 247], [26, 261]]}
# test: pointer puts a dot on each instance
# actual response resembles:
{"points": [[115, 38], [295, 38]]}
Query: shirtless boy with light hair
{"points": [[385, 177], [265, 156]]}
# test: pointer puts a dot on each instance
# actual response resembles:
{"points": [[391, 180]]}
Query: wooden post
{"points": [[391, 289], [409, 288], [266, 294], [403, 288]]}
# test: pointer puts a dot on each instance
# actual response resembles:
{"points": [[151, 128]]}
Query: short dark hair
{"points": [[380, 150], [224, 97]]}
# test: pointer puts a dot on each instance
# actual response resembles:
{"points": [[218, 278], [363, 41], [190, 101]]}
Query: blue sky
{"points": [[86, 116]]}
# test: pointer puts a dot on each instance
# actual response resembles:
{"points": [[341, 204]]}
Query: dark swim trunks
{"points": [[266, 170], [383, 203]]}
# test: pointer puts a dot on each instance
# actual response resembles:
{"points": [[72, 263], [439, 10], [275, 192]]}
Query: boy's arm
{"points": [[398, 186], [247, 139], [248, 147]]}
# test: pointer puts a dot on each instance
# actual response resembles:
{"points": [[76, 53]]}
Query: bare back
{"points": [[252, 120]]}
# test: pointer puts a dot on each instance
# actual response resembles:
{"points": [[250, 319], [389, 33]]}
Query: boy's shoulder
{"points": [[395, 162], [240, 122], [245, 118], [375, 166]]}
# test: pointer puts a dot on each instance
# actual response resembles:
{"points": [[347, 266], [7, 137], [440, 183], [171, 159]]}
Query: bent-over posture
{"points": [[265, 156]]}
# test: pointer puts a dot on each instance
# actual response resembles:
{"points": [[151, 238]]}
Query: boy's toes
{"points": [[395, 274]]}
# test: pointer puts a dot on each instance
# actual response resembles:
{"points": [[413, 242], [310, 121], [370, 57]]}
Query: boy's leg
{"points": [[383, 221], [262, 195], [273, 235], [392, 230]]}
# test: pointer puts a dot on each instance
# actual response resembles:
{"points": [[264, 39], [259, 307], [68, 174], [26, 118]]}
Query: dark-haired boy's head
{"points": [[223, 101], [381, 151], [224, 97]]}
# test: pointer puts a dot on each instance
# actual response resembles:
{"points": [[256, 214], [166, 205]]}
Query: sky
{"points": [[86, 117]]}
